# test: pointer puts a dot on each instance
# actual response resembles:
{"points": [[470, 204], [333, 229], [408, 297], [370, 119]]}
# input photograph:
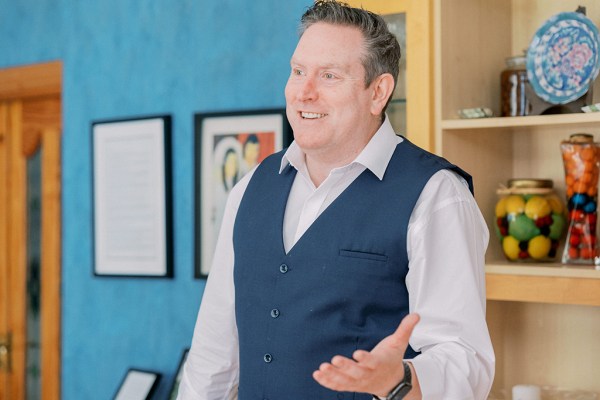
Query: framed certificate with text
{"points": [[132, 197]]}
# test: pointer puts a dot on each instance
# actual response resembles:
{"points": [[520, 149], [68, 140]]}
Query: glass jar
{"points": [[581, 159], [530, 220], [513, 101]]}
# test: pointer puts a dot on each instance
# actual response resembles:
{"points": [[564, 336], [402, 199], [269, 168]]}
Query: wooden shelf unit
{"points": [[544, 318], [554, 283]]}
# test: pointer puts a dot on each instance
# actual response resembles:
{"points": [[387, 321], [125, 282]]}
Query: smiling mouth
{"points": [[309, 115]]}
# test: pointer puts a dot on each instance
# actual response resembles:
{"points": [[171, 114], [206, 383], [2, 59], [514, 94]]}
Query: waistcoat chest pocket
{"points": [[364, 255]]}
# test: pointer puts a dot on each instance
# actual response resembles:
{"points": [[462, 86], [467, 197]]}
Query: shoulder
{"points": [[446, 197], [445, 190], [444, 187]]}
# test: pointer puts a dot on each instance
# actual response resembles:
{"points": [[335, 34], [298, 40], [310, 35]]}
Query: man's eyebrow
{"points": [[332, 66], [320, 66], [293, 61]]}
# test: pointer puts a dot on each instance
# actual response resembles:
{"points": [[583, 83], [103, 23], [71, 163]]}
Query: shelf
{"points": [[542, 269], [543, 318], [543, 283], [517, 122]]}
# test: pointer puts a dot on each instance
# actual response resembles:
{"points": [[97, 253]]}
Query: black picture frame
{"points": [[178, 375], [137, 384], [219, 138], [132, 197]]}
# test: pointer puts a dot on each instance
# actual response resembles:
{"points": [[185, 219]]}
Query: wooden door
{"points": [[30, 234]]}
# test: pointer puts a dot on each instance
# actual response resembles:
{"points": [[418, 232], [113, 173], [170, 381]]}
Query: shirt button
{"points": [[283, 268], [268, 358], [274, 313]]}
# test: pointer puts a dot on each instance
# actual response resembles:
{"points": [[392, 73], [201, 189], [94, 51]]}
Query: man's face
{"points": [[251, 151], [328, 105]]}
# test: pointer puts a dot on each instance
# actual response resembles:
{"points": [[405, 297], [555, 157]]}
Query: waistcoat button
{"points": [[283, 268], [274, 313], [268, 358]]}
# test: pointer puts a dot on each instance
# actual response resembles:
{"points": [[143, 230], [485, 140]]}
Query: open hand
{"points": [[377, 371]]}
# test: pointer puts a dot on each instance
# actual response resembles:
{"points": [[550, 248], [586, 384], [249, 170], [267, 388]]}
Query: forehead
{"points": [[328, 44]]}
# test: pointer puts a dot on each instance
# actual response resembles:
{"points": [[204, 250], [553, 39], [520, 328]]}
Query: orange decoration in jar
{"points": [[581, 159]]}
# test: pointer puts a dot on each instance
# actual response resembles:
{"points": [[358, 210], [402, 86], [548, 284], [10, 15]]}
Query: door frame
{"points": [[22, 83], [419, 50]]}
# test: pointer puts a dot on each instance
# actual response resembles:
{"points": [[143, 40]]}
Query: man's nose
{"points": [[308, 90]]}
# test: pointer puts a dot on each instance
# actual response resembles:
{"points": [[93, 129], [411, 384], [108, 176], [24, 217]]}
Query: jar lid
{"points": [[530, 183], [526, 186], [581, 138]]}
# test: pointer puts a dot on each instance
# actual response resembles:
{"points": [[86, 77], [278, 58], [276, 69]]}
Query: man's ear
{"points": [[383, 86]]}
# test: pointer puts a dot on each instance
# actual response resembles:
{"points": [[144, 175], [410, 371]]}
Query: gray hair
{"points": [[382, 51]]}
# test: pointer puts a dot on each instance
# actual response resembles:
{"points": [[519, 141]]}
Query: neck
{"points": [[319, 168], [320, 162]]}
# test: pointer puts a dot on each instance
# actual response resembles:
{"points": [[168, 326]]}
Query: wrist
{"points": [[401, 389]]}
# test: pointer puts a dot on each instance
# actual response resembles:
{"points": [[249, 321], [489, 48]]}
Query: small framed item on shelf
{"points": [[591, 108], [228, 146], [137, 384], [478, 112], [132, 197]]}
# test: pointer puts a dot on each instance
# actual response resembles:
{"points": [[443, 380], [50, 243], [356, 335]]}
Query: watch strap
{"points": [[402, 389]]}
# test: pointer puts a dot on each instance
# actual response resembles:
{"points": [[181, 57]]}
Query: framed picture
{"points": [[178, 375], [132, 197], [228, 145], [137, 384]]}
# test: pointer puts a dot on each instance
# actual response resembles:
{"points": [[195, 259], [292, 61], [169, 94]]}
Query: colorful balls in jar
{"points": [[581, 164], [530, 220]]}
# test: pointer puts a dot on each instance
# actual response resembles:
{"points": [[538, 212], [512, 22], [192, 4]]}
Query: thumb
{"points": [[405, 329]]}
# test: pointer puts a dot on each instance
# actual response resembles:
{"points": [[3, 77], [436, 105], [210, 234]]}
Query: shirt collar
{"points": [[375, 156]]}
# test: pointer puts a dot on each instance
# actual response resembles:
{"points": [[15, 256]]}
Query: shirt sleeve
{"points": [[447, 239], [211, 370]]}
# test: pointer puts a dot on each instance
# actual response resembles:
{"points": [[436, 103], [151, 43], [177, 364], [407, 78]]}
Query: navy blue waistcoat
{"points": [[340, 288]]}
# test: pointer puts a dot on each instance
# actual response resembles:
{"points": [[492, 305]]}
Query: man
{"points": [[326, 247], [251, 152]]}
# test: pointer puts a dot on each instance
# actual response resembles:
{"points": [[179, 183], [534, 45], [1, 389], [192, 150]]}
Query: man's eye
{"points": [[297, 72], [328, 75]]}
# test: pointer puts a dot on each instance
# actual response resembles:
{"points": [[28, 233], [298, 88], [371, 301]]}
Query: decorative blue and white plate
{"points": [[563, 58]]}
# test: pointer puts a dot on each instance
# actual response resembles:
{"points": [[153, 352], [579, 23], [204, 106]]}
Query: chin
{"points": [[303, 139], [307, 145]]}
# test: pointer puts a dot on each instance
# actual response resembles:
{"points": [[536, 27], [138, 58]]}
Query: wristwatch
{"points": [[403, 387]]}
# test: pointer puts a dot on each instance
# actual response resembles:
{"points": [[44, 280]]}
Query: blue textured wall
{"points": [[125, 58]]}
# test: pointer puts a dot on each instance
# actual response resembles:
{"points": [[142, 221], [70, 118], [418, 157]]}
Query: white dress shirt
{"points": [[446, 242]]}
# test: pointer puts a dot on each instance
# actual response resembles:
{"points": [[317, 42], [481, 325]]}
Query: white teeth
{"points": [[308, 115]]}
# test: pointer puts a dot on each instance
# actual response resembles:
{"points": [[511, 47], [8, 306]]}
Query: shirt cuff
{"points": [[430, 377]]}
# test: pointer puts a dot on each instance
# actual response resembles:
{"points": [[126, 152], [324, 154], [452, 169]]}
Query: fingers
{"points": [[360, 355], [349, 368], [366, 359], [342, 374], [367, 370], [339, 375]]}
